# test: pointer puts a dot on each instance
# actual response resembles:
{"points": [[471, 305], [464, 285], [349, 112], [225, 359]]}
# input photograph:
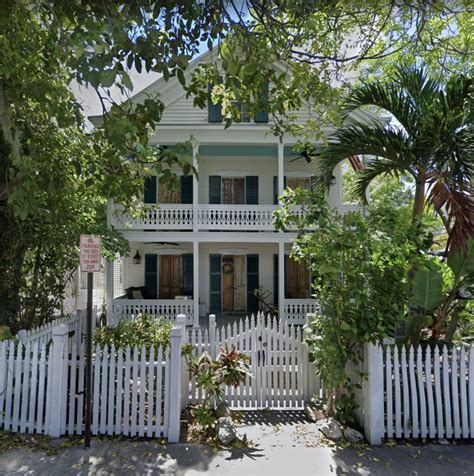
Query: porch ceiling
{"points": [[209, 237]]}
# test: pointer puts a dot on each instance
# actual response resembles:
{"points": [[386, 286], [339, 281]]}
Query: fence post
{"points": [[21, 336], [212, 335], [373, 394], [175, 363], [57, 387]]}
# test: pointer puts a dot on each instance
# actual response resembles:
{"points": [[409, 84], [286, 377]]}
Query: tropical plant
{"points": [[429, 138], [440, 292], [145, 330], [359, 277]]}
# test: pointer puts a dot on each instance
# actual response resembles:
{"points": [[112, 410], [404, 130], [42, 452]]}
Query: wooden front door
{"points": [[233, 190], [297, 283], [240, 288], [233, 283], [171, 276], [227, 283]]}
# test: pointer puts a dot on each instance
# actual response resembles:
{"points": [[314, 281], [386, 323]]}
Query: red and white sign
{"points": [[90, 253]]}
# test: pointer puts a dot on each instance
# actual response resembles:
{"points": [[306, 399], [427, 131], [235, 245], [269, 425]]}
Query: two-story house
{"points": [[208, 242]]}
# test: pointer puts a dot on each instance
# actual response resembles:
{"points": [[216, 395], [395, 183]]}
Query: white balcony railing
{"points": [[209, 217], [169, 308], [295, 310], [163, 217], [236, 217]]}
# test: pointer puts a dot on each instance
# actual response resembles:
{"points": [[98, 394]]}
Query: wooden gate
{"points": [[282, 376]]}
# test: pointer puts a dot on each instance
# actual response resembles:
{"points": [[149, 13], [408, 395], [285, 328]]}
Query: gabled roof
{"points": [[171, 90]]}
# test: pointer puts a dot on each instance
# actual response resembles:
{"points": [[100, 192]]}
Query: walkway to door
{"points": [[282, 374]]}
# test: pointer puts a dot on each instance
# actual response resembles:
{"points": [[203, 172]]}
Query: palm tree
{"points": [[431, 139]]}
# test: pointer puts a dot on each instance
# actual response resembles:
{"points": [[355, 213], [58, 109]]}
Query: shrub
{"points": [[145, 330]]}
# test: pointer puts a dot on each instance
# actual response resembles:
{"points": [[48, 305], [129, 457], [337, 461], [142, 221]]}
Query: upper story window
{"points": [[243, 110], [176, 192]]}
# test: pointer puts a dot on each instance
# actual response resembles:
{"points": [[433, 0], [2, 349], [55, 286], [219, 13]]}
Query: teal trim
{"points": [[215, 281], [151, 276], [149, 193], [239, 150]]}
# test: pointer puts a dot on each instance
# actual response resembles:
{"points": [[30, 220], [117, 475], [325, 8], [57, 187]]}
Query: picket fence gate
{"points": [[282, 376], [136, 392]]}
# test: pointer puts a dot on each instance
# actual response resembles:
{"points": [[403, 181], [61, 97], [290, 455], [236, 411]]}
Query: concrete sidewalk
{"points": [[285, 443], [145, 458]]}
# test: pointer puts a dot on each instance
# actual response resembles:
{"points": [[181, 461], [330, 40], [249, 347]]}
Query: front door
{"points": [[233, 283], [171, 276], [233, 190], [227, 283], [297, 282]]}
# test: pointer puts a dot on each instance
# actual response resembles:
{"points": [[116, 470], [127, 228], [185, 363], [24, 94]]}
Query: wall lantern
{"points": [[137, 259], [333, 180]]}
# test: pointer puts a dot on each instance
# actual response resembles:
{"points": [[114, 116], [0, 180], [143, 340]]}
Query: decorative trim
{"points": [[233, 251]]}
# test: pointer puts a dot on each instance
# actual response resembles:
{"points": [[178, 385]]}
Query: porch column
{"points": [[281, 278], [195, 187], [196, 282], [109, 280], [281, 168], [109, 270]]}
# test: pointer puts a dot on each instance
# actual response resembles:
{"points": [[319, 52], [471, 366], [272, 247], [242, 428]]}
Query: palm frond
{"points": [[363, 140], [458, 202], [386, 97]]}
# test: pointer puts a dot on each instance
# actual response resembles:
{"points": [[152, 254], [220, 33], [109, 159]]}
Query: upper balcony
{"points": [[181, 217], [236, 189]]}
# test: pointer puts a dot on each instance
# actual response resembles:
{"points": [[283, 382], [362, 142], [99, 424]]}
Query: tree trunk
{"points": [[419, 201]]}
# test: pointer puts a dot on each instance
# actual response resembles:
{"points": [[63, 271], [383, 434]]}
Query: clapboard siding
{"points": [[182, 111]]}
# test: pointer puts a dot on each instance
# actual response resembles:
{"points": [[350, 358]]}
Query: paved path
{"points": [[285, 444]]}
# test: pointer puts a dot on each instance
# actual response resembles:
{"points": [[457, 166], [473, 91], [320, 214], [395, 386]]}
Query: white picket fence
{"points": [[75, 323], [418, 392], [429, 393], [282, 376], [136, 392]]}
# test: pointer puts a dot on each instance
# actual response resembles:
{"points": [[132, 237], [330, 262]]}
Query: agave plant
{"points": [[430, 139]]}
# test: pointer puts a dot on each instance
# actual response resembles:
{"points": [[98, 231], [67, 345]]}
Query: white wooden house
{"points": [[206, 245]]}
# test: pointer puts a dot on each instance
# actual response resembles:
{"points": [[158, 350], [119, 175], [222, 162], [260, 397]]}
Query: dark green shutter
{"points": [[150, 189], [214, 110], [275, 189], [187, 189], [252, 282], [262, 115], [151, 275], [188, 274], [214, 189], [275, 280], [251, 190], [215, 283]]}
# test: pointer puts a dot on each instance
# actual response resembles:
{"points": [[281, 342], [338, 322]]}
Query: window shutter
{"points": [[214, 189], [251, 190], [262, 115], [188, 274], [252, 282], [150, 189], [275, 189], [214, 110], [215, 283], [187, 189], [151, 276]]}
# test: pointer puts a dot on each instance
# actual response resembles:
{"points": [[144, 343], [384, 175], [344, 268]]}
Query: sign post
{"points": [[90, 263]]}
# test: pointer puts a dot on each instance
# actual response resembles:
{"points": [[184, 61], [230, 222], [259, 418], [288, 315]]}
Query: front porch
{"points": [[197, 279]]}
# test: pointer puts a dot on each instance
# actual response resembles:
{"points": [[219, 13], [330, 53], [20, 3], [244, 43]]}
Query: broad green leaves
{"points": [[427, 286]]}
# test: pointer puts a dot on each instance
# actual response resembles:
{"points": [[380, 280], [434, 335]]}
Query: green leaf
{"points": [[427, 287], [462, 262]]}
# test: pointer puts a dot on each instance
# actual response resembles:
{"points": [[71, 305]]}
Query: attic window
{"points": [[242, 111]]}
